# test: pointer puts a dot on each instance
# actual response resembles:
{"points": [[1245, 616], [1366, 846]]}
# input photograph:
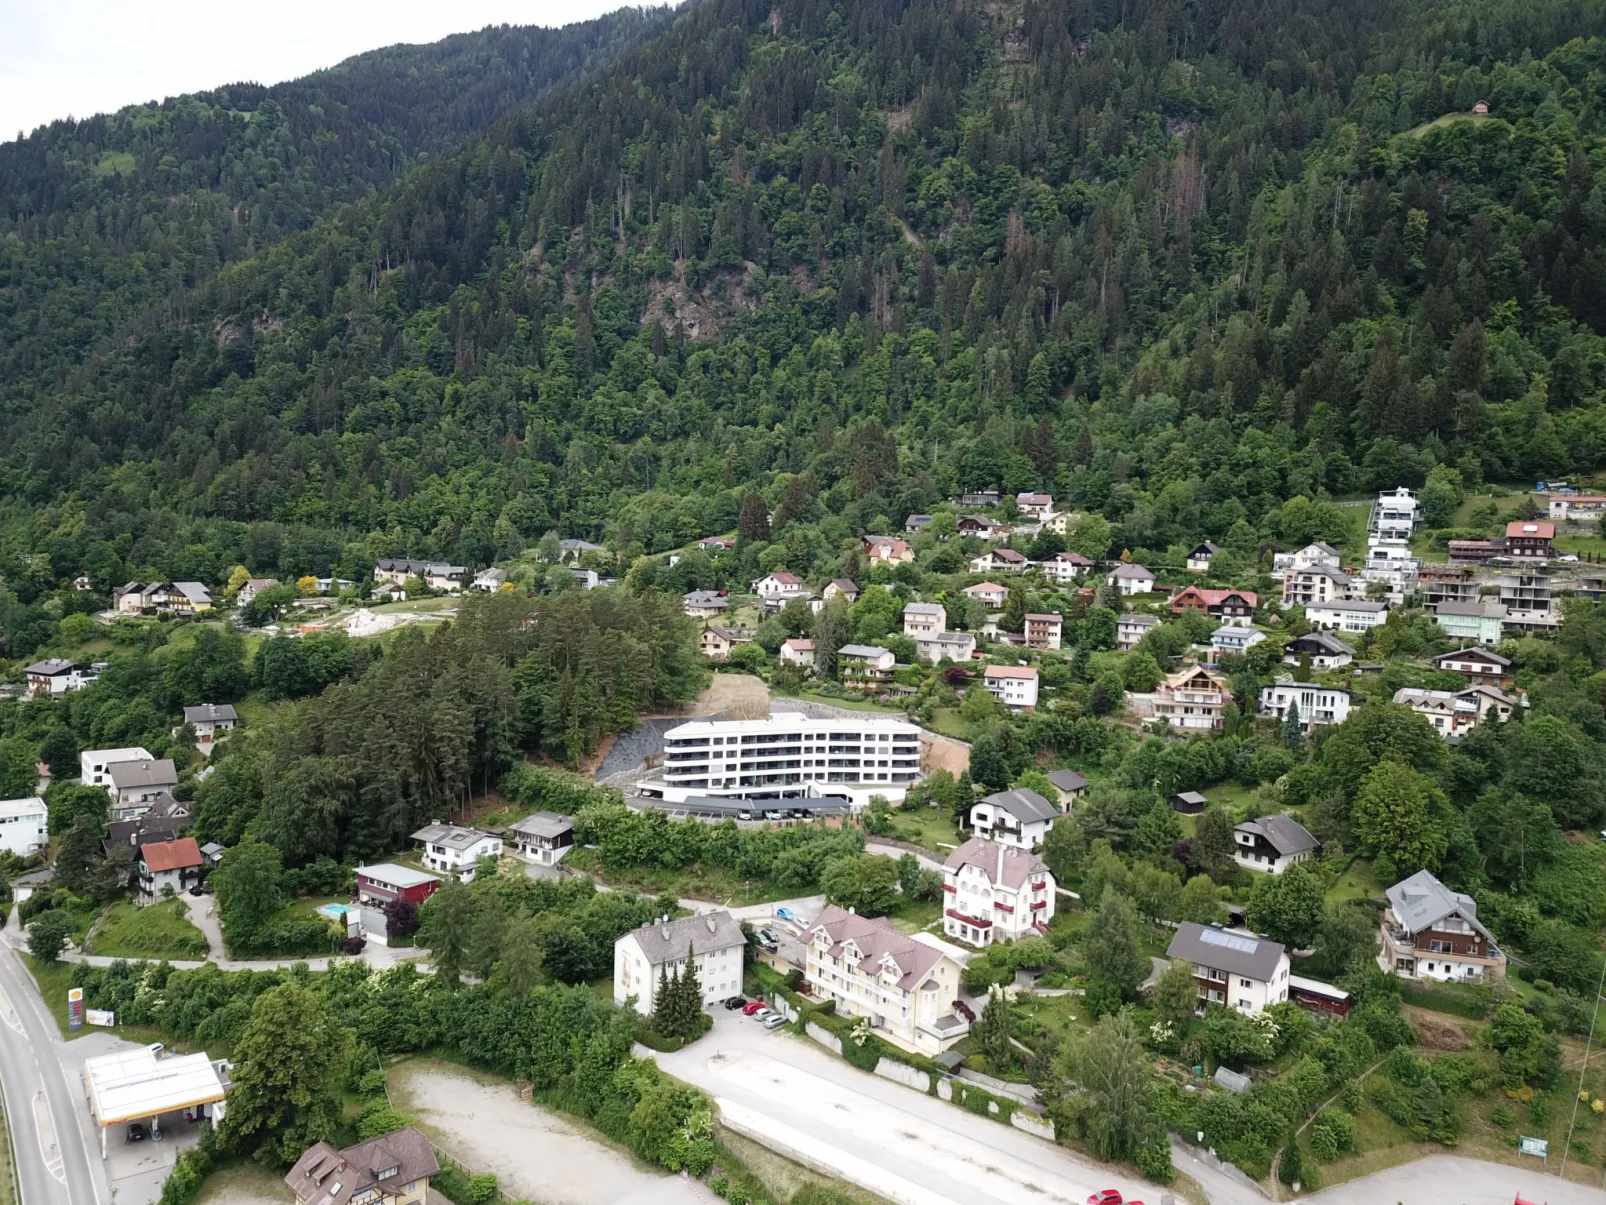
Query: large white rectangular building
{"points": [[789, 755], [714, 942], [23, 826], [94, 764]]}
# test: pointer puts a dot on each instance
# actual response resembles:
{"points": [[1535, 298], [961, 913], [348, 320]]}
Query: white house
{"points": [[437, 575], [1233, 969], [1015, 686], [905, 987], [1304, 585], [451, 849], [1043, 630], [1199, 557], [167, 868], [1395, 515], [1130, 629], [1000, 560], [863, 663], [1452, 712], [23, 826], [1069, 786], [1065, 567], [1347, 615], [995, 892], [55, 676], [1431, 932], [704, 604], [1273, 844], [956, 646], [798, 651], [542, 838], [1131, 579], [1324, 650], [135, 785], [1314, 703], [1230, 638], [490, 580], [989, 593], [644, 956], [253, 587], [1020, 817], [924, 619], [1035, 506], [1191, 699], [209, 720], [1308, 557], [776, 583], [93, 764], [1391, 562]]}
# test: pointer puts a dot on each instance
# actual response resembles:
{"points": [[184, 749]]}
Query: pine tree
{"points": [[689, 1014], [663, 1002], [1293, 730]]}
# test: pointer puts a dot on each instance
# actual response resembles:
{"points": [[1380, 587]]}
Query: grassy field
{"points": [[1356, 883], [1449, 119], [949, 722], [244, 1183], [912, 916], [702, 883], [53, 980], [160, 931], [929, 828]]}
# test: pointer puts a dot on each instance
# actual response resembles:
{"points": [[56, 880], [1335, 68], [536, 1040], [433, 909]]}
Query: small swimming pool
{"points": [[334, 911]]}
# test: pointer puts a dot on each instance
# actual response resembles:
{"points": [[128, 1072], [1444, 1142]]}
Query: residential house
{"points": [[917, 523], [884, 550], [167, 868], [1000, 560], [643, 957], [864, 663], [1232, 638], [1395, 515], [716, 543], [388, 592], [1273, 843], [147, 829], [840, 587], [1317, 555], [1481, 620], [1478, 666], [209, 720], [333, 585], [1035, 506], [81, 583], [774, 604], [1130, 629], [988, 593], [978, 499], [24, 885], [716, 642], [1043, 630], [437, 575], [129, 599], [1199, 557], [94, 763], [1068, 785], [542, 838], [253, 586], [573, 550], [135, 785], [1303, 586], [589, 579], [1530, 538], [1325, 651], [1065, 567], [1233, 969], [995, 892], [1391, 562], [1190, 699], [392, 1169], [1444, 583], [1020, 818], [382, 882], [1313, 703], [490, 580], [23, 826], [1229, 606], [1131, 579], [704, 604], [178, 598], [1473, 552], [454, 850], [1452, 712], [55, 676], [1431, 932], [1015, 686], [924, 619], [982, 526], [798, 651], [905, 987], [1577, 508], [955, 646], [776, 583], [1347, 615]]}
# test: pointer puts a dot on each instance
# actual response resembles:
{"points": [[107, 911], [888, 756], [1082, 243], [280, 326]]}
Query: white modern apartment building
{"points": [[1314, 704], [1395, 515], [789, 755], [1347, 615], [1391, 562], [94, 764], [22, 826]]}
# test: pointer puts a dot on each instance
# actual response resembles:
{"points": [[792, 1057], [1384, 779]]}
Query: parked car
{"points": [[774, 1021], [136, 1133], [734, 1002], [197, 890], [1107, 1196], [752, 1007], [965, 1011]]}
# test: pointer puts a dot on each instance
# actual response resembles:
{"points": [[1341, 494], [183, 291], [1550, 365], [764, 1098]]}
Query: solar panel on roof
{"points": [[1215, 937]]}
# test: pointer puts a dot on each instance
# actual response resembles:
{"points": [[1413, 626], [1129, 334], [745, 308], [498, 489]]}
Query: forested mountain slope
{"points": [[1178, 262], [103, 216]]}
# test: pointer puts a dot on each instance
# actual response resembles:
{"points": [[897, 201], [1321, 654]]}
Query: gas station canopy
{"points": [[137, 1084]]}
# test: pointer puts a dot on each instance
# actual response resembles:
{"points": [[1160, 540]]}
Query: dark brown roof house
{"points": [[392, 1169]]}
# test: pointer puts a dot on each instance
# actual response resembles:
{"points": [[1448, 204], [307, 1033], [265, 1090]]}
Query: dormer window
{"points": [[389, 1172]]}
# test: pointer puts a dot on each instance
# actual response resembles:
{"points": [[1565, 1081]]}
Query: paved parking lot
{"points": [[790, 1095]]}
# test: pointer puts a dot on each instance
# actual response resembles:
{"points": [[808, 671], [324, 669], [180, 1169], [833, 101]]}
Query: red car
{"points": [[1110, 1196], [752, 1007]]}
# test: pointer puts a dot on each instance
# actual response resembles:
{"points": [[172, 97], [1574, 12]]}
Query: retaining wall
{"points": [[1031, 1123], [826, 1038], [909, 1077]]}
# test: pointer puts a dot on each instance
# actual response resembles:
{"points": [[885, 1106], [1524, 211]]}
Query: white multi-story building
{"points": [[93, 764], [905, 987], [451, 849], [1130, 629], [1452, 712], [1020, 817], [1233, 969], [23, 826], [1347, 615], [924, 619], [643, 956], [1314, 703], [789, 755], [1131, 579], [1312, 556], [995, 892], [956, 646], [1395, 515], [1015, 686], [1391, 562], [1065, 567], [1431, 932], [1191, 699], [1304, 585]]}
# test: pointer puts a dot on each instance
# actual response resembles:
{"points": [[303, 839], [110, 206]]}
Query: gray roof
{"points": [[1421, 901], [1478, 608], [543, 824], [1325, 642], [1347, 604], [919, 608], [860, 650], [1233, 952], [1026, 805], [706, 598], [1139, 621], [391, 875], [211, 713], [669, 941], [1132, 571], [1067, 780], [49, 667], [35, 878], [193, 591], [130, 774], [579, 546], [452, 836], [1209, 547], [1282, 832]]}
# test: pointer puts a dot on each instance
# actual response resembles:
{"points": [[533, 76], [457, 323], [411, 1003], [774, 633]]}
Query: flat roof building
{"points": [[140, 1085]]}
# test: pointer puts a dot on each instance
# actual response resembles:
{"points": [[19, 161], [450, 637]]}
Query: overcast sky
{"points": [[61, 58]]}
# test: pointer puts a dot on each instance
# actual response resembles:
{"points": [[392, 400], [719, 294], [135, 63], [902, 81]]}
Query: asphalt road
{"points": [[57, 1151]]}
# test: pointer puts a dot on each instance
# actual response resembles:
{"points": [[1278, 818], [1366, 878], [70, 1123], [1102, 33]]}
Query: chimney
{"points": [[665, 932], [712, 928]]}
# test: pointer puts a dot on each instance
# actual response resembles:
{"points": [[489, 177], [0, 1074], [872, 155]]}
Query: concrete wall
{"points": [[943, 753], [945, 1088], [1031, 1123], [902, 1073], [826, 1038], [1021, 1093]]}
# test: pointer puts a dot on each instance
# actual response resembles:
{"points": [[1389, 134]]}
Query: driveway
{"points": [[795, 1098], [1447, 1180]]}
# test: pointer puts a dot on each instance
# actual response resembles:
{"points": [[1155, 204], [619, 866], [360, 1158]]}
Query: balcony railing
{"points": [[969, 920]]}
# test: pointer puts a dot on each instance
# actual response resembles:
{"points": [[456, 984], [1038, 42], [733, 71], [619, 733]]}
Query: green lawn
{"points": [[160, 931], [929, 828], [1448, 119], [949, 722], [912, 916], [693, 882], [1356, 883], [244, 1181]]}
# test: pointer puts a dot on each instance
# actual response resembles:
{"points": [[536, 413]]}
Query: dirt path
{"points": [[480, 1121]]}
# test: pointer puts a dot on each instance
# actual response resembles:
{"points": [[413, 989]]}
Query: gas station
{"points": [[145, 1085]]}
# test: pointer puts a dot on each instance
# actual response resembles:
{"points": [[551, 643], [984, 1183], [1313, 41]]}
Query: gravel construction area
{"points": [[534, 1153], [743, 692], [630, 748]]}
